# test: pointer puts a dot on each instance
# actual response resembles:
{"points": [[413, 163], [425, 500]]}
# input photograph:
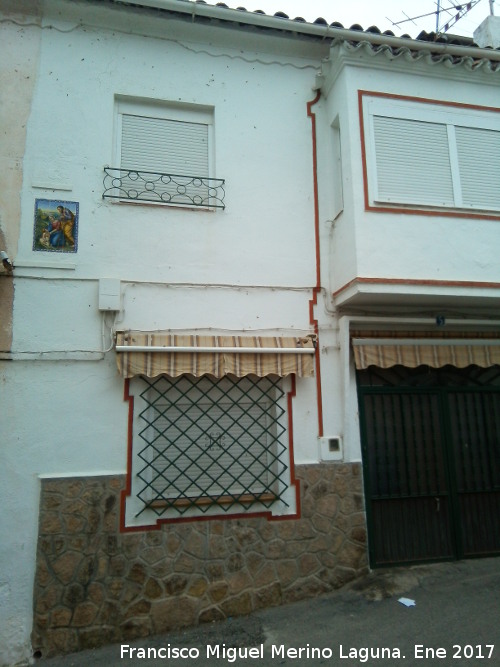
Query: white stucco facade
{"points": [[412, 246], [277, 260]]}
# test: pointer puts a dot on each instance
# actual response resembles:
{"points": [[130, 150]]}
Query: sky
{"points": [[382, 13]]}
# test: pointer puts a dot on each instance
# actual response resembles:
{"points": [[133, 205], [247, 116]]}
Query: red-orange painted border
{"points": [[247, 515], [127, 491], [363, 148], [317, 287], [427, 211], [427, 100], [417, 281]]}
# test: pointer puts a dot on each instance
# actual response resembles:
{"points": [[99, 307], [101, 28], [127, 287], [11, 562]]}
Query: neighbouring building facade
{"points": [[250, 342]]}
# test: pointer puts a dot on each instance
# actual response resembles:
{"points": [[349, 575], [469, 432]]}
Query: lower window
{"points": [[206, 446]]}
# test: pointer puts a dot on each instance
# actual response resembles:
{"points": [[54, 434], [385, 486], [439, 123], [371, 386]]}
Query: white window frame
{"points": [[168, 111], [446, 115], [137, 515]]}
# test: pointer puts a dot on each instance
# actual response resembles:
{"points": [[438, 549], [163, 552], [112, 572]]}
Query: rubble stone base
{"points": [[95, 585]]}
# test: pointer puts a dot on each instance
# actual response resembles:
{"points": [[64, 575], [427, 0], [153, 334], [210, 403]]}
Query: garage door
{"points": [[431, 455]]}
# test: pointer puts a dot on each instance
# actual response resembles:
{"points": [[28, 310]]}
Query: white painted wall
{"points": [[249, 268], [55, 420], [262, 146], [357, 243], [339, 240], [392, 245]]}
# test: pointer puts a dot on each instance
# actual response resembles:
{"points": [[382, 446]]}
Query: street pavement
{"points": [[449, 616]]}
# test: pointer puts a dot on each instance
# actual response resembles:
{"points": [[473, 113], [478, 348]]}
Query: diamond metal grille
{"points": [[210, 442]]}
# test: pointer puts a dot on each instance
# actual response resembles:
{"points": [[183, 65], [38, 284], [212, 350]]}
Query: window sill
{"points": [[412, 209], [44, 264], [220, 500], [149, 204]]}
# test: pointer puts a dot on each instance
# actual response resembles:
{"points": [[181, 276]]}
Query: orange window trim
{"points": [[426, 211]]}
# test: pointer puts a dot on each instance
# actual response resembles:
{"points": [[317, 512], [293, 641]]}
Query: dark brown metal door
{"points": [[431, 454], [475, 450]]}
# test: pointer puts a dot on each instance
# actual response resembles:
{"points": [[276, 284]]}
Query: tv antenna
{"points": [[456, 11]]}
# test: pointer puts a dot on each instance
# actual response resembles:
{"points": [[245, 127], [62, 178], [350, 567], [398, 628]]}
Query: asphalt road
{"points": [[455, 622]]}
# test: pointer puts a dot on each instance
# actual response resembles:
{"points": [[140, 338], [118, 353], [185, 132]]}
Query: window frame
{"points": [[137, 514], [167, 111], [448, 114]]}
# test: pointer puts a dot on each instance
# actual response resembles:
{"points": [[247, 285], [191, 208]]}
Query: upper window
{"points": [[164, 154], [430, 155]]}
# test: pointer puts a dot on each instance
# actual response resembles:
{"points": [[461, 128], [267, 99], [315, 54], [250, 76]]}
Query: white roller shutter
{"points": [[479, 162], [164, 146], [209, 442], [212, 463], [435, 155], [412, 162]]}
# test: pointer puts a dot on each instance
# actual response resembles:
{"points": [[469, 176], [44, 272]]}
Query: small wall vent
{"points": [[331, 448]]}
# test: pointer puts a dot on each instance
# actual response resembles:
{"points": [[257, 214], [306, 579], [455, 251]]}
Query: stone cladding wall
{"points": [[95, 585]]}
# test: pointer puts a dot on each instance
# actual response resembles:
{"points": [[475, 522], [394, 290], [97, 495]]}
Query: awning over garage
{"points": [[414, 351]]}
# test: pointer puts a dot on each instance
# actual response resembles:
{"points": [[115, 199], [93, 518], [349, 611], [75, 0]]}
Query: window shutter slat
{"points": [[208, 444], [479, 177], [412, 162], [171, 478], [164, 146]]}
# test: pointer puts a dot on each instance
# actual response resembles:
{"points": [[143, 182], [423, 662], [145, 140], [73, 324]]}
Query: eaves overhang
{"points": [[364, 54], [438, 46], [378, 293]]}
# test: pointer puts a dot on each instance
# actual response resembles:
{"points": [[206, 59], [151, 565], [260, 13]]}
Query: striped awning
{"points": [[152, 354], [434, 352]]}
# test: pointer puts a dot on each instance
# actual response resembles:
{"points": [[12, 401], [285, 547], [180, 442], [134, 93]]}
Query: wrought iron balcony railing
{"points": [[176, 189]]}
